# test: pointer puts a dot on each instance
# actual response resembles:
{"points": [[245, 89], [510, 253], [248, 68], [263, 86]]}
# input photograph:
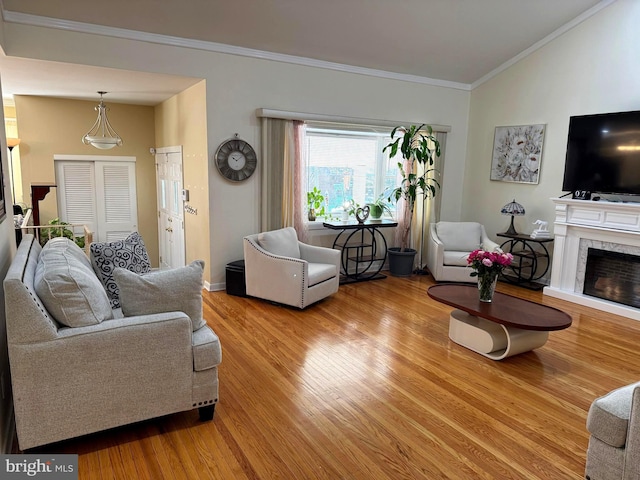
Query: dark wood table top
{"points": [[525, 237], [353, 224], [504, 309]]}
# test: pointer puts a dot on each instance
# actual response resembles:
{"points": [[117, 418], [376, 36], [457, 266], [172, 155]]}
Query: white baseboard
{"points": [[215, 287]]}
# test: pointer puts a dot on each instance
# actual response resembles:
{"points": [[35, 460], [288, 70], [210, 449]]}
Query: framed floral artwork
{"points": [[517, 153]]}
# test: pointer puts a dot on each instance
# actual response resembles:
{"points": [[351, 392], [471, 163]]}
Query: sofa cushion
{"points": [[206, 349], [455, 259], [69, 247], [67, 286], [174, 290], [459, 236], [283, 242], [320, 272], [608, 417], [129, 253]]}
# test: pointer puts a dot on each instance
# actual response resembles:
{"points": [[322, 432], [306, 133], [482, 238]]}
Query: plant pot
{"points": [[312, 215], [401, 263], [375, 211]]}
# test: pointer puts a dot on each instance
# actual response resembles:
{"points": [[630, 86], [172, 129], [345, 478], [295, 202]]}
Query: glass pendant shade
{"points": [[102, 135]]}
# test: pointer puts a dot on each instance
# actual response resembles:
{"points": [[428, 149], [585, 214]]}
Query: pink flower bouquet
{"points": [[488, 263], [487, 266]]}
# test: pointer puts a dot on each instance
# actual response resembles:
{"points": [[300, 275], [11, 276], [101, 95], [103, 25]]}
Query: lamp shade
{"points": [[512, 208]]}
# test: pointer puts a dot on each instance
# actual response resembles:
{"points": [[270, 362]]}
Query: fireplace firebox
{"points": [[613, 276]]}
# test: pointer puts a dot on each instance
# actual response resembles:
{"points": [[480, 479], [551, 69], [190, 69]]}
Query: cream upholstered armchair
{"points": [[449, 245], [281, 269], [614, 445]]}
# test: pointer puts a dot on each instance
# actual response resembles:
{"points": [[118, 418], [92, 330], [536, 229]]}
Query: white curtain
{"points": [[295, 180], [284, 176], [424, 212], [273, 133]]}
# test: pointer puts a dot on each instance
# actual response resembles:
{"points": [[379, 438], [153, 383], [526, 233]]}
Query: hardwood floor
{"points": [[367, 384]]}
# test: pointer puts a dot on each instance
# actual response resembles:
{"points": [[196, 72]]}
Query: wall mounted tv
{"points": [[603, 154]]}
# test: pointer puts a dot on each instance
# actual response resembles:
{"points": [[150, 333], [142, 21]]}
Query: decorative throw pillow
{"points": [[177, 289], [282, 242], [129, 253], [66, 246], [68, 287]]}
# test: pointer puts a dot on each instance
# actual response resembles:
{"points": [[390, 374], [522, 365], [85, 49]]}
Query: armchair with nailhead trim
{"points": [[284, 270]]}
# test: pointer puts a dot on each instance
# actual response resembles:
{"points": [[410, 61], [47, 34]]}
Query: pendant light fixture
{"points": [[102, 135]]}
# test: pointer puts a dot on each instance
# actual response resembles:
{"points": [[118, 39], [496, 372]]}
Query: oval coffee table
{"points": [[505, 327]]}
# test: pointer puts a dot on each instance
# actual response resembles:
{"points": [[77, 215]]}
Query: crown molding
{"points": [[72, 26], [541, 43], [80, 27]]}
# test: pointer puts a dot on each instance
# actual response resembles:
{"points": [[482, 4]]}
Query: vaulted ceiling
{"points": [[454, 41]]}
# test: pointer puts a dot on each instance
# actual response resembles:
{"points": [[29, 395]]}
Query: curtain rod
{"points": [[315, 117]]}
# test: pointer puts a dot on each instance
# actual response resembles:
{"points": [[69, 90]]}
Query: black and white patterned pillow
{"points": [[129, 253]]}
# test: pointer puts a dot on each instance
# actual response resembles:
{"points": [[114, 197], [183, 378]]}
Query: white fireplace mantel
{"points": [[615, 225]]}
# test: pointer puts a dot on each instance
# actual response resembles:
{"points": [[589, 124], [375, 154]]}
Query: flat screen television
{"points": [[603, 154]]}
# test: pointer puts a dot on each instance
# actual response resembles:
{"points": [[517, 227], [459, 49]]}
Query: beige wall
{"points": [[11, 130], [50, 126], [182, 120], [7, 249], [592, 68], [236, 86]]}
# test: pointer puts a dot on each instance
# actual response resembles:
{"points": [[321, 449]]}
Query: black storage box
{"points": [[235, 279]]}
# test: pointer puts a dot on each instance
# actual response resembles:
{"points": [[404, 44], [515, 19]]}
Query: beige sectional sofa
{"points": [[78, 368], [614, 445]]}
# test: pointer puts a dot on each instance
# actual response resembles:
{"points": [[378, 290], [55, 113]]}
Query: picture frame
{"points": [[517, 153]]}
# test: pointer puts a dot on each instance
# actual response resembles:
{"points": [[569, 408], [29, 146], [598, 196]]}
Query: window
{"points": [[348, 164]]}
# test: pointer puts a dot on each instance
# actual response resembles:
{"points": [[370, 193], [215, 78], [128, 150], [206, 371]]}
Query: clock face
{"points": [[236, 160]]}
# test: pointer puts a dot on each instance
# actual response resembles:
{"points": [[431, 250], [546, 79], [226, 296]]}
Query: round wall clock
{"points": [[235, 159]]}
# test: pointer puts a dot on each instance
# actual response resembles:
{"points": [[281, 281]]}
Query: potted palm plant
{"points": [[418, 147]]}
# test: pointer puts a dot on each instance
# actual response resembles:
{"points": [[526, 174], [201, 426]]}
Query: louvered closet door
{"points": [[101, 195], [77, 193], [116, 195]]}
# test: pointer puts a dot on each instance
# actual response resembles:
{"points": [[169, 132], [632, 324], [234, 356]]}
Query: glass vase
{"points": [[487, 287]]}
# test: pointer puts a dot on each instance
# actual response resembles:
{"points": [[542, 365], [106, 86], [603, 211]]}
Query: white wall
{"points": [[237, 86], [593, 68], [7, 250]]}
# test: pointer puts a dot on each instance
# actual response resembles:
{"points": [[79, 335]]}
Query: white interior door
{"points": [[171, 239]]}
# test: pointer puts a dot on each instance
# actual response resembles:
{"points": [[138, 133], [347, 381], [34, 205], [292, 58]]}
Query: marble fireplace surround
{"points": [[583, 224]]}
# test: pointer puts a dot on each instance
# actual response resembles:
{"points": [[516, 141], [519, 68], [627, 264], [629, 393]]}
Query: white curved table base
{"points": [[491, 339]]}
